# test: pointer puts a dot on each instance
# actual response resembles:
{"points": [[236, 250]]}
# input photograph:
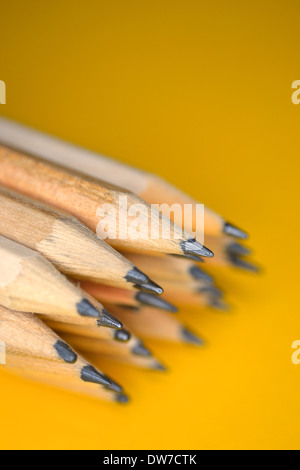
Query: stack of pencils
{"points": [[68, 286]]}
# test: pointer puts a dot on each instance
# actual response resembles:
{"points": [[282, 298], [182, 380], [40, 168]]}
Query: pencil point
{"points": [[140, 350], [198, 274], [150, 287], [121, 398], [234, 231], [113, 386], [219, 304], [108, 320], [159, 366], [243, 264], [193, 247], [90, 374], [190, 337], [65, 352], [236, 249], [122, 335], [154, 301], [136, 276], [86, 309], [211, 290]]}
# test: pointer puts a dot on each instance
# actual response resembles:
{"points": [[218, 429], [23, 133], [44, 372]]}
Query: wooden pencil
{"points": [[88, 199], [84, 389], [170, 268], [157, 325], [70, 246], [24, 334], [80, 371], [116, 296], [128, 343], [112, 350], [149, 187], [30, 283]]}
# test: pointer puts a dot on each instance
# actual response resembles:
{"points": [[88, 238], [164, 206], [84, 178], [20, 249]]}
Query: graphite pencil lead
{"points": [[235, 248], [243, 264], [190, 337], [234, 231], [136, 276], [211, 290], [219, 304], [150, 287], [199, 274], [122, 335], [159, 366], [65, 352], [140, 350], [193, 247], [154, 301], [121, 398], [90, 374], [113, 386], [86, 309], [108, 320]]}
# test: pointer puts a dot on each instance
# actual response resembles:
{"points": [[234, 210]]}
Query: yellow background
{"points": [[199, 92]]}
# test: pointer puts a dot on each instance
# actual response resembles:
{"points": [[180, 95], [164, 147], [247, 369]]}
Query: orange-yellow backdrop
{"points": [[201, 93]]}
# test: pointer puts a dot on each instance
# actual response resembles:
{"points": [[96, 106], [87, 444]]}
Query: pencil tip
{"points": [[154, 301], [219, 304], [243, 264], [136, 276], [121, 398], [198, 274], [108, 320], [86, 309], [113, 386], [159, 366], [212, 290], [235, 248], [140, 350], [122, 335], [65, 352], [193, 247], [190, 337], [90, 374], [234, 231], [150, 287]]}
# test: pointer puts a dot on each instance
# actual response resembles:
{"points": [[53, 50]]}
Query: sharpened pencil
{"points": [[86, 197], [148, 186], [70, 246], [30, 283]]}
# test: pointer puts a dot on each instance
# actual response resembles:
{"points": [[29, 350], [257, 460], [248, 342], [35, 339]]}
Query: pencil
{"points": [[24, 334], [81, 371], [126, 298], [128, 343], [160, 325], [88, 199], [30, 283], [148, 186], [170, 268], [70, 246], [114, 351], [66, 384]]}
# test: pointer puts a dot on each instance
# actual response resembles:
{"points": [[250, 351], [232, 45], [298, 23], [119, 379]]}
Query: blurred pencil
{"points": [[67, 243], [158, 325], [85, 197], [126, 298], [30, 283], [149, 187]]}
